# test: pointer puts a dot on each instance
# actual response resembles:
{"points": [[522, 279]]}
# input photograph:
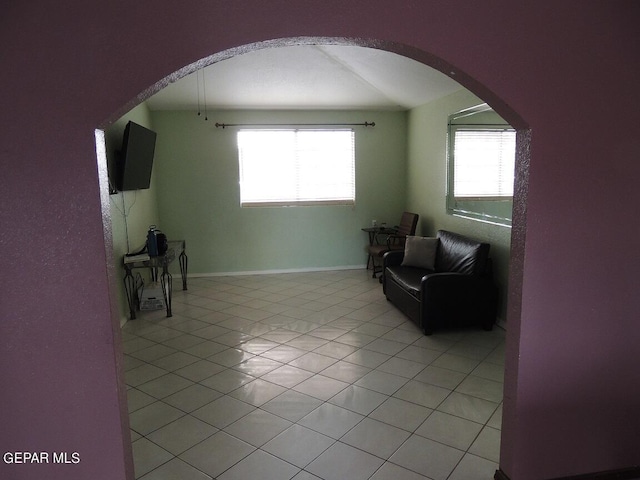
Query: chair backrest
{"points": [[408, 224]]}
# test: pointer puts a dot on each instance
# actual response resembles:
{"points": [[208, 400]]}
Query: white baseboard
{"points": [[270, 272]]}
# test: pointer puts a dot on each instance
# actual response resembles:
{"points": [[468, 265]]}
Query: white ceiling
{"points": [[308, 77]]}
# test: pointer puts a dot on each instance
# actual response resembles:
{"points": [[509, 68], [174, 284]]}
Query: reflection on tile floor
{"points": [[308, 376]]}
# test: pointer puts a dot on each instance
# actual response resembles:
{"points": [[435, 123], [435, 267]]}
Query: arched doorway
{"points": [[504, 110]]}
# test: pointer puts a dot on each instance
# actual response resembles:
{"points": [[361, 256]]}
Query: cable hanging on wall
{"points": [[204, 93], [198, 89], [364, 124]]}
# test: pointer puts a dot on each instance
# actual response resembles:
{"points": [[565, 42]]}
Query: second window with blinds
{"points": [[289, 167], [481, 162]]}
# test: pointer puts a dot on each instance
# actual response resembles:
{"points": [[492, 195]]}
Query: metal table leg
{"points": [[183, 269], [130, 289], [167, 287], [131, 286]]}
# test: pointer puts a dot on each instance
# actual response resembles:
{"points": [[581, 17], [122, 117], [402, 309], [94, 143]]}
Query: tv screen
{"points": [[136, 157]]}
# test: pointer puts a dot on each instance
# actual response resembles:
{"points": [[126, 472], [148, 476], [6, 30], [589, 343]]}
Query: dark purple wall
{"points": [[569, 70]]}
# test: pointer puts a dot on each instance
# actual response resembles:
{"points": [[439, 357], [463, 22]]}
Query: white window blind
{"points": [[296, 167], [483, 162]]}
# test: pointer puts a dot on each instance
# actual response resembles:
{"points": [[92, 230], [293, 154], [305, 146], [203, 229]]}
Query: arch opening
{"points": [[481, 91]]}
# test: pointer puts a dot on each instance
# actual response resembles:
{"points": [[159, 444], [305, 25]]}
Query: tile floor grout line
{"points": [[490, 349]]}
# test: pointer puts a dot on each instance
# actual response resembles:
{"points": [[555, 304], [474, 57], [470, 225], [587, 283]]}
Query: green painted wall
{"points": [[427, 180], [131, 212], [198, 194]]}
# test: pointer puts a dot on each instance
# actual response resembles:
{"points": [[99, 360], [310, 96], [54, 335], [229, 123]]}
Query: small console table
{"points": [[175, 248], [373, 233]]}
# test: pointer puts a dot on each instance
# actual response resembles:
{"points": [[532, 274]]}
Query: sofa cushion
{"points": [[420, 252], [460, 254], [409, 278]]}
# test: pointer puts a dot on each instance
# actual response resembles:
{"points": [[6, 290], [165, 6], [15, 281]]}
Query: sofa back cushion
{"points": [[457, 253]]}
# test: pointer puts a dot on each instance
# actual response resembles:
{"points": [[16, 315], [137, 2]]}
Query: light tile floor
{"points": [[307, 376]]}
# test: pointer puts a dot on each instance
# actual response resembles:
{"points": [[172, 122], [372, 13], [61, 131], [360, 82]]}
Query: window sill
{"points": [[311, 203], [500, 222]]}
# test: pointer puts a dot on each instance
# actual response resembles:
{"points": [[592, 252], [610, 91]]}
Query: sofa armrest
{"points": [[458, 286], [444, 295], [390, 259], [393, 257], [449, 279]]}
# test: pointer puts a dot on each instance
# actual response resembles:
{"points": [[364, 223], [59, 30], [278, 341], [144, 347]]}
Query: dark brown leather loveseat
{"points": [[442, 282]]}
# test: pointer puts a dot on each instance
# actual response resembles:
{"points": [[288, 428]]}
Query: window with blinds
{"points": [[296, 167], [483, 162]]}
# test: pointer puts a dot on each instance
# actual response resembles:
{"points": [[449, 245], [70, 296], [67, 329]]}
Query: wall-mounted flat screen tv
{"points": [[136, 158]]}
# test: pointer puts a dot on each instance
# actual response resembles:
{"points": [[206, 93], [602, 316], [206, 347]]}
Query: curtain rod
{"points": [[502, 125], [225, 125]]}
